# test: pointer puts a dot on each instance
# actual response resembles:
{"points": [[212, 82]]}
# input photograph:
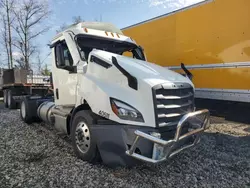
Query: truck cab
{"points": [[116, 106]]}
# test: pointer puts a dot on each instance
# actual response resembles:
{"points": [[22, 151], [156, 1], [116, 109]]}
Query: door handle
{"points": [[57, 93]]}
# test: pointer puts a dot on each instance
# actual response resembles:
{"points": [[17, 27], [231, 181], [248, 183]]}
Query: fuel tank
{"points": [[44, 112]]}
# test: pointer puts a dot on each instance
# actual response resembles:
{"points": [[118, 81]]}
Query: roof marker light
{"points": [[112, 34], [86, 30], [118, 35], [106, 33]]}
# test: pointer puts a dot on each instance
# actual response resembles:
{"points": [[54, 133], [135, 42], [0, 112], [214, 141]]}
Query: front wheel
{"points": [[84, 144]]}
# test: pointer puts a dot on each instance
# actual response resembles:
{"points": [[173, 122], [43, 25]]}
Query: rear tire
{"points": [[26, 111], [84, 144], [5, 97], [11, 102]]}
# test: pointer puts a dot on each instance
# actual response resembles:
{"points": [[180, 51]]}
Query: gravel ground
{"points": [[35, 156]]}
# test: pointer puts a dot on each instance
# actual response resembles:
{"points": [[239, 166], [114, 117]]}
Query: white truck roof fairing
{"points": [[106, 30], [101, 26]]}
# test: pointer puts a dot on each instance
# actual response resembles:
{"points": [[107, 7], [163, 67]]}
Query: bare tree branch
{"points": [[31, 13], [19, 34], [8, 19], [18, 46], [38, 33], [5, 39], [32, 50], [38, 20], [75, 20]]}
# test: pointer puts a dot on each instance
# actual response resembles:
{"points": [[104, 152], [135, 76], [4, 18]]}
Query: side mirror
{"points": [[142, 49], [140, 52], [71, 69], [188, 73]]}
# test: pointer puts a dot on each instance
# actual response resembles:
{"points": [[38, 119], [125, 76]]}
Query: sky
{"points": [[121, 13]]}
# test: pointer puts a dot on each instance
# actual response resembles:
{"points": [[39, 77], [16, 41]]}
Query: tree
{"points": [[7, 17], [29, 15], [61, 28], [75, 20], [40, 63], [20, 63], [45, 71], [4, 36]]}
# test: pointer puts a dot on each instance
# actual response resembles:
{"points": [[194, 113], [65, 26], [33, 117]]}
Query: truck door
{"points": [[64, 75]]}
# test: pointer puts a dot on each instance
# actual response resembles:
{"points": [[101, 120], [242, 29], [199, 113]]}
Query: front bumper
{"points": [[197, 121]]}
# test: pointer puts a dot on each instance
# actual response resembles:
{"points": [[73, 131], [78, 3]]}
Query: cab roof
{"points": [[102, 29], [102, 26]]}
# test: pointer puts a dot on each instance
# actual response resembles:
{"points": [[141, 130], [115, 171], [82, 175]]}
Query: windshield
{"points": [[87, 43]]}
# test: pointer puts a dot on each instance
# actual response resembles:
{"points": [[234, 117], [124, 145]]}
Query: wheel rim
{"points": [[82, 137], [23, 112]]}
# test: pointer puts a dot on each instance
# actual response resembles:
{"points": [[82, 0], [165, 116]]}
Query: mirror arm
{"points": [[73, 69]]}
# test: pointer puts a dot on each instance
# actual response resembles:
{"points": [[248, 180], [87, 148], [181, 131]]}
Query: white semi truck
{"points": [[118, 109]]}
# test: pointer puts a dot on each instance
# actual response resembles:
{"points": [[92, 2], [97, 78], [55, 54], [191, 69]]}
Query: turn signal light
{"points": [[86, 30], [114, 108]]}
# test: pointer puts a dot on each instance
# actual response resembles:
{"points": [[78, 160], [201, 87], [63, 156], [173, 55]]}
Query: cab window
{"points": [[63, 56]]}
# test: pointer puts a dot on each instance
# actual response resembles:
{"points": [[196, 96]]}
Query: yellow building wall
{"points": [[211, 33], [222, 78]]}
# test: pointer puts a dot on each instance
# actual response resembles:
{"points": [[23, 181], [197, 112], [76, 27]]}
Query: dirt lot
{"points": [[35, 156]]}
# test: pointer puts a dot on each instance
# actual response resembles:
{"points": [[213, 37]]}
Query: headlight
{"points": [[125, 111]]}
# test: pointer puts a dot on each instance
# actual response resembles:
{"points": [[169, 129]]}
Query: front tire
{"points": [[84, 144]]}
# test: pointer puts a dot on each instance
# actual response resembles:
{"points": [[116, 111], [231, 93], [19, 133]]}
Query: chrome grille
{"points": [[172, 101]]}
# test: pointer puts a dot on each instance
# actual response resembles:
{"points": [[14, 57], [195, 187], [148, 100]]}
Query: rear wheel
{"points": [[5, 96], [10, 101], [26, 112], [84, 144]]}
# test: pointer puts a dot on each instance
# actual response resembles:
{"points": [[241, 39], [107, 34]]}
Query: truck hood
{"points": [[148, 72]]}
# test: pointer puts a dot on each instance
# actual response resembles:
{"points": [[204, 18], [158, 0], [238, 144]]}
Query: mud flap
{"points": [[114, 140]]}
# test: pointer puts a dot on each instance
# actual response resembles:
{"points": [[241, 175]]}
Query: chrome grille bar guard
{"points": [[168, 146]]}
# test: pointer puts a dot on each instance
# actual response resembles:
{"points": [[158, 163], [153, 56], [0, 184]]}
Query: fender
{"points": [[83, 106]]}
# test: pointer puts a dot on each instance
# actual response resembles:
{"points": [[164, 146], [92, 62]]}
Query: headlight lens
{"points": [[125, 111]]}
